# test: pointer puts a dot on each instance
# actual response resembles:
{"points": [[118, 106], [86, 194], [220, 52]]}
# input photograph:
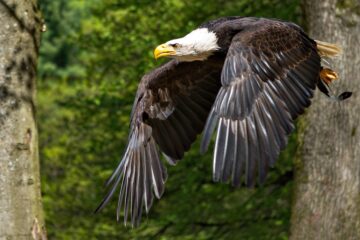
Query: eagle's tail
{"points": [[328, 49]]}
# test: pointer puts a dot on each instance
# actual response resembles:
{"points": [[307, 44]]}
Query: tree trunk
{"points": [[20, 200], [327, 180]]}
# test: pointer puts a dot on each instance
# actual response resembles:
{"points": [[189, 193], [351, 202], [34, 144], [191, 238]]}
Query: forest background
{"points": [[92, 57]]}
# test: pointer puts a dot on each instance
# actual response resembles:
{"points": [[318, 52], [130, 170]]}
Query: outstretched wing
{"points": [[268, 79], [170, 109]]}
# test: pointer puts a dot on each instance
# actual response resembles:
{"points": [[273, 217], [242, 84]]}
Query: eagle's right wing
{"points": [[268, 78]]}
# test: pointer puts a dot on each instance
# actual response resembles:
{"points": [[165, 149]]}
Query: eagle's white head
{"points": [[198, 45]]}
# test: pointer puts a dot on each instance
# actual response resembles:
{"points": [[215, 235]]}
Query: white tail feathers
{"points": [[327, 49]]}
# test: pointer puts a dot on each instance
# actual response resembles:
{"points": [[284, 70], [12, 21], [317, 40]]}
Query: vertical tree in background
{"points": [[20, 200], [327, 189]]}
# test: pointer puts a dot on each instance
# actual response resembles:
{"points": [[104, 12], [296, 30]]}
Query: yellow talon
{"points": [[328, 75]]}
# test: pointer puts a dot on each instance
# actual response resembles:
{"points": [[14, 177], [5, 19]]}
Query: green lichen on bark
{"points": [[348, 11], [298, 163], [351, 5]]}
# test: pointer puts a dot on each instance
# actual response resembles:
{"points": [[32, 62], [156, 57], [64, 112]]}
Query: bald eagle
{"points": [[247, 77]]}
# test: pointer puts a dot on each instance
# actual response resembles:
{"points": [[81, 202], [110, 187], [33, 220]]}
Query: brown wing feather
{"points": [[170, 110], [268, 79]]}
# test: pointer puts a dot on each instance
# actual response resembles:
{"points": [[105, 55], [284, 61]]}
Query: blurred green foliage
{"points": [[92, 57]]}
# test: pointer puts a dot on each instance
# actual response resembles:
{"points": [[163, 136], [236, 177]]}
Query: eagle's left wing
{"points": [[170, 110], [268, 78]]}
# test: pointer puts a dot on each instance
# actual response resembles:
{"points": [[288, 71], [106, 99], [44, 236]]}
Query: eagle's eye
{"points": [[174, 45]]}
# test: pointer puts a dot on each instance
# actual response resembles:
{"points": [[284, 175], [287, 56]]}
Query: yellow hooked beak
{"points": [[164, 50]]}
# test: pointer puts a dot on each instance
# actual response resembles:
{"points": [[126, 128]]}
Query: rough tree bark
{"points": [[327, 180], [20, 200]]}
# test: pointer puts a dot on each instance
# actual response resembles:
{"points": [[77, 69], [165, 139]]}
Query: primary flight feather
{"points": [[249, 78]]}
